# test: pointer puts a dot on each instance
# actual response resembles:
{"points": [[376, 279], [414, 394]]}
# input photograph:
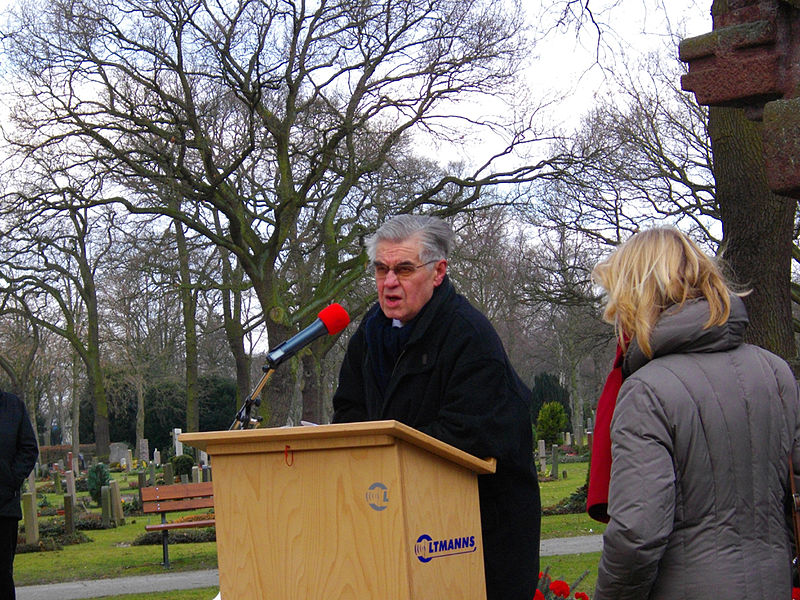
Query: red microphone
{"points": [[331, 320], [334, 317]]}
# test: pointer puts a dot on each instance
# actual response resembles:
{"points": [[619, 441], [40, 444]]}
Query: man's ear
{"points": [[441, 271]]}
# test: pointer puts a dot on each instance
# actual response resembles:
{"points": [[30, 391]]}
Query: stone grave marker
{"points": [[178, 444], [105, 504], [542, 457], [117, 451], [555, 462], [116, 503], [169, 473], [69, 515], [70, 478], [31, 518], [143, 449]]}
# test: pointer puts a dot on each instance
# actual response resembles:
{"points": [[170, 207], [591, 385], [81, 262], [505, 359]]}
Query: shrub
{"points": [[153, 538], [182, 464], [131, 506], [96, 478], [52, 536], [552, 421], [90, 521]]}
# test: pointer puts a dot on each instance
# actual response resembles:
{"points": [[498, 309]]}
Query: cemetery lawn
{"points": [[196, 594], [110, 553]]}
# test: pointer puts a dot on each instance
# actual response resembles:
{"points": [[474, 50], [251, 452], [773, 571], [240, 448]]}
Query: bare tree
{"points": [[640, 157], [20, 338], [273, 116], [52, 251]]}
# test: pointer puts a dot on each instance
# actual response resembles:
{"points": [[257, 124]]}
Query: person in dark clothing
{"points": [[425, 357], [18, 453]]}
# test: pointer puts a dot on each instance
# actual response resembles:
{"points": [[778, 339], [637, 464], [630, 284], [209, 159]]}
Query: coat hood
{"points": [[679, 330]]}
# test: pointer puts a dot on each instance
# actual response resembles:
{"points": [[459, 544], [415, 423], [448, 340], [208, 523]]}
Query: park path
{"points": [[185, 580]]}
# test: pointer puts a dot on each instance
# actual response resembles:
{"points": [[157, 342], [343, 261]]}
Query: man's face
{"points": [[403, 297]]}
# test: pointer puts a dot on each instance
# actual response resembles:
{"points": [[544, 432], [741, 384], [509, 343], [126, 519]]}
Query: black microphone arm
{"points": [[244, 418]]}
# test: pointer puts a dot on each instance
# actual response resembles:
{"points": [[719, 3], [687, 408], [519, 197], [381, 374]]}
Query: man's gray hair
{"points": [[436, 236]]}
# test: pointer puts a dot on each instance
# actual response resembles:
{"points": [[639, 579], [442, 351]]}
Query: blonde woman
{"points": [[701, 433]]}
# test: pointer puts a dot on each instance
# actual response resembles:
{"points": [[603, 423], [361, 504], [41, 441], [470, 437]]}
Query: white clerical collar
{"points": [[397, 323]]}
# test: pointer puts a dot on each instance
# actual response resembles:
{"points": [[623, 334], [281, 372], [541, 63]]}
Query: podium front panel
{"points": [[311, 531]]}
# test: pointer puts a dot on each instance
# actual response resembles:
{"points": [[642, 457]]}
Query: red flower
{"points": [[560, 588], [583, 596], [538, 595], [795, 593]]}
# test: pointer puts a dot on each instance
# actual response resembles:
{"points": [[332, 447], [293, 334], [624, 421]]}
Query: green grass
{"points": [[555, 491], [570, 567], [196, 594], [111, 555]]}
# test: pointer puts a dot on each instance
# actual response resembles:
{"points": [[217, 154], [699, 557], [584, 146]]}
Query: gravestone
{"points": [[206, 473], [116, 503], [169, 473], [31, 519], [568, 438], [157, 457], [542, 457], [117, 451], [178, 444], [69, 515], [143, 449], [57, 482], [69, 476], [195, 474], [554, 472], [202, 458], [105, 505], [129, 458]]}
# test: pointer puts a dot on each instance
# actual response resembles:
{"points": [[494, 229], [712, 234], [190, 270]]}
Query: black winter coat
{"points": [[18, 452], [453, 381]]}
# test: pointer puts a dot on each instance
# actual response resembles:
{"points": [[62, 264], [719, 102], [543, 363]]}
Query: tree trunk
{"points": [[757, 229], [189, 306], [312, 388], [76, 406], [139, 385], [232, 284], [94, 372], [279, 392]]}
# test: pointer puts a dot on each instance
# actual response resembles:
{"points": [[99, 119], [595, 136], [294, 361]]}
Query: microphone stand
{"points": [[243, 419]]}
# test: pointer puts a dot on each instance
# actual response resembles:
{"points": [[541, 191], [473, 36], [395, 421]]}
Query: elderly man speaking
{"points": [[427, 358]]}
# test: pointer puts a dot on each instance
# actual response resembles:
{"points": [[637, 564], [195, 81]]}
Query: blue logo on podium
{"points": [[427, 548], [378, 496]]}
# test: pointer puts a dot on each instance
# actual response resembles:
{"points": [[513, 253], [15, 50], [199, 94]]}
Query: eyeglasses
{"points": [[401, 271]]}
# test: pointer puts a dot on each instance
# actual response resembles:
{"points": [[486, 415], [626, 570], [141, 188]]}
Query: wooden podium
{"points": [[357, 511]]}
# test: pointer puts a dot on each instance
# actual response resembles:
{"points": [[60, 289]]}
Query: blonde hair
{"points": [[652, 271]]}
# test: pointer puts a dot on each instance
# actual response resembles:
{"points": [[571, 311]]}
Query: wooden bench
{"points": [[163, 499]]}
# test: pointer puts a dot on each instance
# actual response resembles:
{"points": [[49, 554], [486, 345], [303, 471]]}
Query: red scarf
{"points": [[600, 470]]}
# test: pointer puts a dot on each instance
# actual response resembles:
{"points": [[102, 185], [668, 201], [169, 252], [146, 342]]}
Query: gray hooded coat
{"points": [[700, 437]]}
